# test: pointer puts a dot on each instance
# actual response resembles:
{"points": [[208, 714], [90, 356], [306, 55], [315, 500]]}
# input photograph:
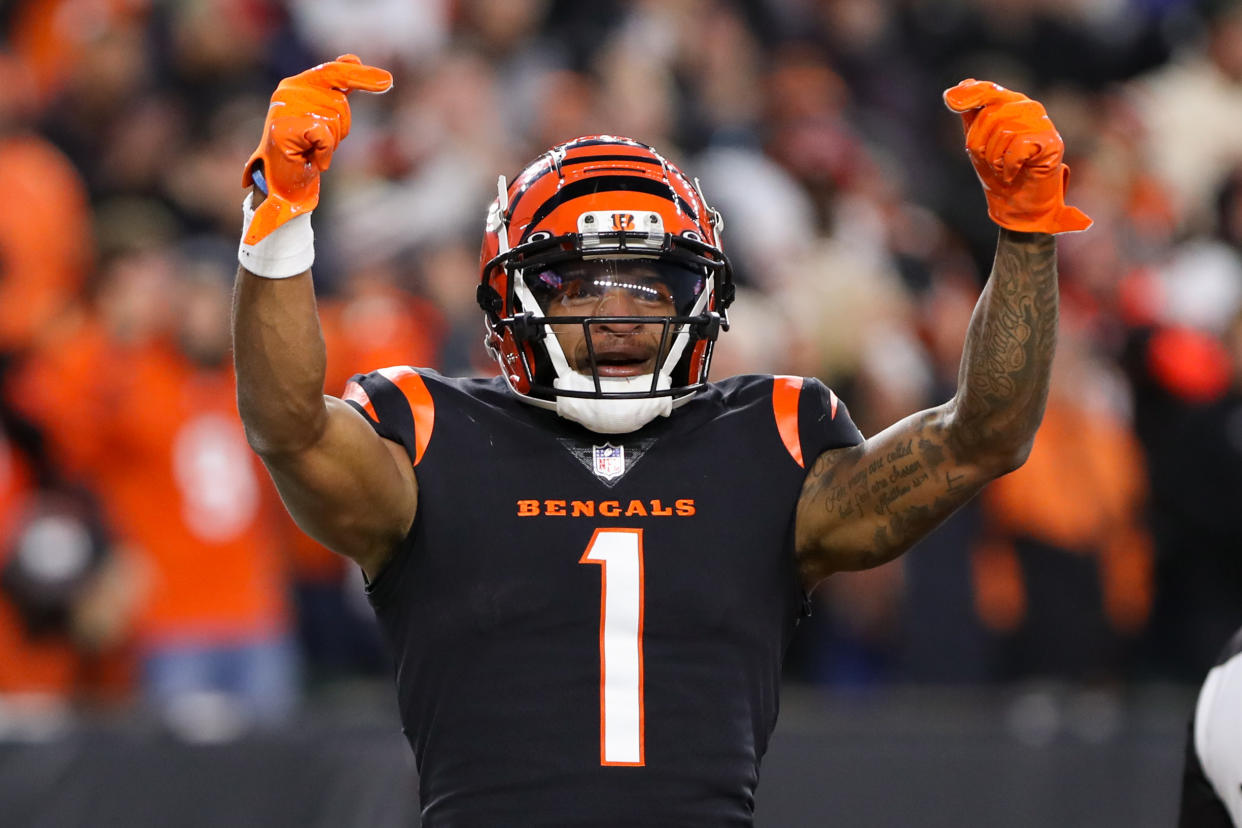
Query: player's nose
{"points": [[618, 302]]}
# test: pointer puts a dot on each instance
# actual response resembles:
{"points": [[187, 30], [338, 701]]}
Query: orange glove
{"points": [[1016, 152], [308, 118]]}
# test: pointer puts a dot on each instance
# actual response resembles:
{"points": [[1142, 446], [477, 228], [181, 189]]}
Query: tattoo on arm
{"points": [[1007, 360], [865, 505], [891, 491]]}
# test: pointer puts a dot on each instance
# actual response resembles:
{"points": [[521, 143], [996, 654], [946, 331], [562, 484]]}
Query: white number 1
{"points": [[619, 552]]}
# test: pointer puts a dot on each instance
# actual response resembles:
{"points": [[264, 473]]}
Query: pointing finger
{"points": [[349, 73], [973, 94]]}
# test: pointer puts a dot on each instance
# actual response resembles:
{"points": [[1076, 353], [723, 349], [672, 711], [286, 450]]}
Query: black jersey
{"points": [[589, 629], [1212, 774]]}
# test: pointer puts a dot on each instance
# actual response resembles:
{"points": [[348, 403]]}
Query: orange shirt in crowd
{"points": [[160, 441], [1081, 490], [14, 484], [377, 326], [45, 237], [49, 35]]}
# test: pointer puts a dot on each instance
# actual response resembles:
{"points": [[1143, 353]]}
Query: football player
{"points": [[1212, 776], [588, 567]]}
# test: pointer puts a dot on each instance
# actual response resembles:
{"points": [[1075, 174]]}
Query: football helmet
{"points": [[599, 217]]}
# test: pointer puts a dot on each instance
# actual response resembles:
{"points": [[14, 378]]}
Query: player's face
{"points": [[611, 288]]}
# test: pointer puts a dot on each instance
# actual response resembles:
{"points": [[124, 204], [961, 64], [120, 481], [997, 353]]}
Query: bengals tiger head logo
{"points": [[623, 222]]}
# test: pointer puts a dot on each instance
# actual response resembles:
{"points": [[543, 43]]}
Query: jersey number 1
{"points": [[619, 553]]}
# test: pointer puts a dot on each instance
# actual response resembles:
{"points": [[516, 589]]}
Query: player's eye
{"points": [[652, 293], [582, 291]]}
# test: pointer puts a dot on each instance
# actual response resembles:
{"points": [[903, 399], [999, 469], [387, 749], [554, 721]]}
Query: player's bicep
{"points": [[353, 491], [863, 505]]}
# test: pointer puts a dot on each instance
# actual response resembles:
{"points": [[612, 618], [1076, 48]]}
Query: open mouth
{"points": [[622, 362], [621, 368]]}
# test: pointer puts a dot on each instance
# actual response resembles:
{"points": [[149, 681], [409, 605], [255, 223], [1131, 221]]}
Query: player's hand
{"points": [[1017, 154], [307, 119]]}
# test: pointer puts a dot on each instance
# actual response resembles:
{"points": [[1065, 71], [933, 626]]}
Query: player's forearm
{"points": [[279, 354], [1007, 360]]}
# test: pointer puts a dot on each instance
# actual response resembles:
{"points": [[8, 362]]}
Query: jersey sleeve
{"points": [[824, 421], [810, 419], [397, 404]]}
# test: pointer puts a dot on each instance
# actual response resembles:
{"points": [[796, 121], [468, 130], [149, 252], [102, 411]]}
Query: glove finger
{"points": [[321, 142], [998, 143], [306, 97], [297, 138], [983, 127], [1048, 150], [1017, 155], [322, 104], [972, 94], [321, 158], [1017, 117], [348, 76]]}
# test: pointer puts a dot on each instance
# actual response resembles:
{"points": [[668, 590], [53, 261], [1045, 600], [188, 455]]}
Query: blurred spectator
{"points": [[67, 593], [45, 238], [139, 401], [51, 36], [67, 603], [395, 32], [441, 164], [1063, 570], [375, 319], [446, 278], [1191, 108]]}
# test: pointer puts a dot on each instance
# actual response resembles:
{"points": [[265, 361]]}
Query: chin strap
{"points": [[612, 416]]}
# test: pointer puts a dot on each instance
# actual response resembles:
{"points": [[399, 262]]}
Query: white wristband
{"points": [[286, 251]]}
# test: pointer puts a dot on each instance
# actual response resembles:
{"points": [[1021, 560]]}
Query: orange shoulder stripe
{"points": [[785, 392], [356, 393], [421, 405]]}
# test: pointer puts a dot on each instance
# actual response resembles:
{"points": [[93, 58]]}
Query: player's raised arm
{"points": [[346, 486], [864, 505]]}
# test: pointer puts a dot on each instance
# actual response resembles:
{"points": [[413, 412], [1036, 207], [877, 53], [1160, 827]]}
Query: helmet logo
{"points": [[600, 230]]}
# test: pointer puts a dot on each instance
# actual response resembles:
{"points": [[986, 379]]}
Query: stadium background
{"points": [[1032, 663]]}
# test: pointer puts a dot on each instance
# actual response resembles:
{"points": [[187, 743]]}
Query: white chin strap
{"points": [[612, 416]]}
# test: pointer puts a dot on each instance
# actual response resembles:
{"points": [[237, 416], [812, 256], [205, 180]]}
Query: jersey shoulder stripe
{"points": [[807, 418], [398, 405], [785, 393]]}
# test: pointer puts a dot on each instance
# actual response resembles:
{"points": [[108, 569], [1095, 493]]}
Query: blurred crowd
{"points": [[144, 557]]}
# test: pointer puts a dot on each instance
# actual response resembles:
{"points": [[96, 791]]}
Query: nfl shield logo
{"points": [[609, 461]]}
